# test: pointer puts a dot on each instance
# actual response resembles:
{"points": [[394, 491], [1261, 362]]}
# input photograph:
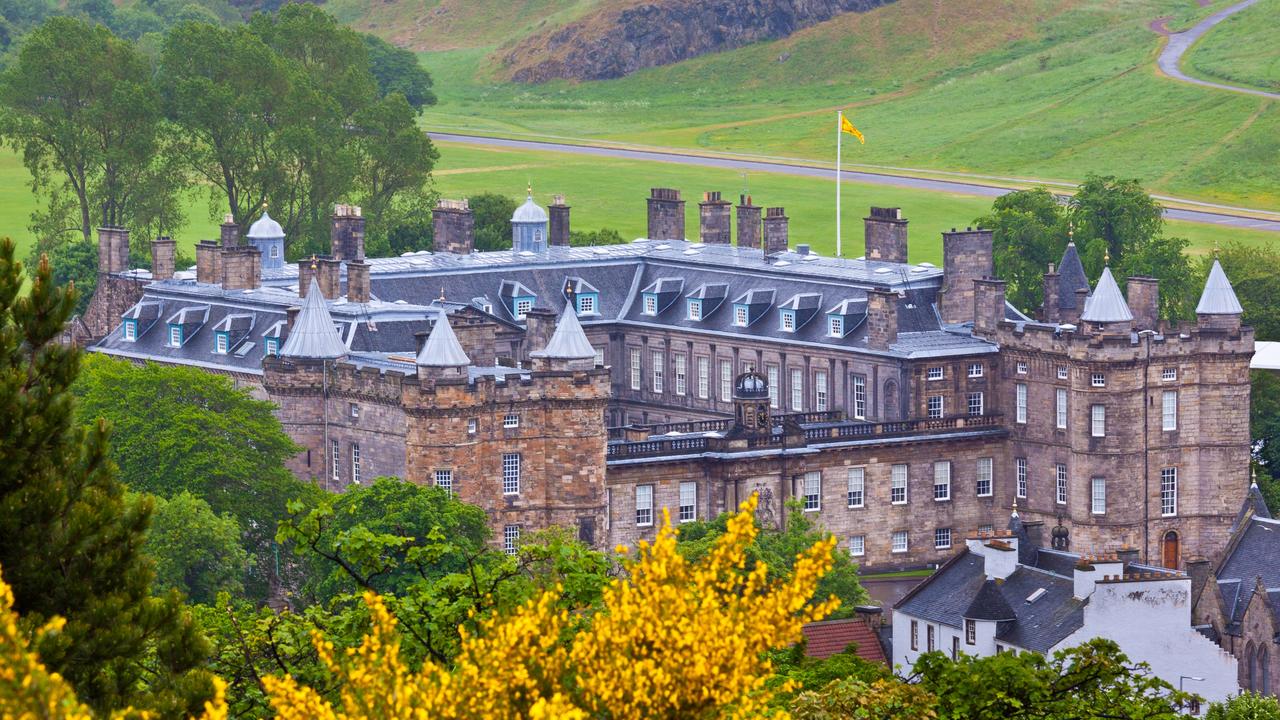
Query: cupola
{"points": [[529, 227]]}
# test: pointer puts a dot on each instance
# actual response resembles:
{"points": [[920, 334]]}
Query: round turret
{"points": [[529, 227], [267, 235]]}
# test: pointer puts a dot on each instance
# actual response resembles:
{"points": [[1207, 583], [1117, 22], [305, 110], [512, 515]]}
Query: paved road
{"points": [[952, 186], [1179, 43]]}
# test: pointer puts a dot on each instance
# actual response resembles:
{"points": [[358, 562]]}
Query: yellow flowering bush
{"points": [[673, 639]]}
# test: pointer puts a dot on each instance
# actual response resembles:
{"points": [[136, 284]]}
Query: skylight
{"points": [[1039, 593]]}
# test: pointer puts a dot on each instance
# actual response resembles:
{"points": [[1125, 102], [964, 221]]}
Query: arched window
{"points": [[1250, 672], [1264, 672]]}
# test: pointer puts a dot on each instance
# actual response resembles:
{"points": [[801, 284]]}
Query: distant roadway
{"points": [[1179, 43], [1232, 218]]}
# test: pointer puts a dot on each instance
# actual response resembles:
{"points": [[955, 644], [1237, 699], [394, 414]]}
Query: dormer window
{"points": [[271, 346], [835, 326], [587, 304], [788, 320], [221, 341], [131, 330], [740, 315], [650, 304], [522, 307], [694, 307], [175, 336]]}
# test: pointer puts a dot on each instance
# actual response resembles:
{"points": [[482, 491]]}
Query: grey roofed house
{"points": [[313, 334], [1071, 277], [1106, 304], [568, 342], [442, 348], [1218, 297]]}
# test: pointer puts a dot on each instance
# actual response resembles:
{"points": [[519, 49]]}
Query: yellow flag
{"points": [[846, 126]]}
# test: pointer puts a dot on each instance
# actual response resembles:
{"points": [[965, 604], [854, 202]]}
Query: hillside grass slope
{"points": [[1243, 50]]}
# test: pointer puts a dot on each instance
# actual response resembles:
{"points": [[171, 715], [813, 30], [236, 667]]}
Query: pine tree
{"points": [[70, 544]]}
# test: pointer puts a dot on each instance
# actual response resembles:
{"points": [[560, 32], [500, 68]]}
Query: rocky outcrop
{"points": [[622, 38]]}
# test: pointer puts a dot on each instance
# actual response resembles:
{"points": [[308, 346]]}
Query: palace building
{"points": [[905, 406]]}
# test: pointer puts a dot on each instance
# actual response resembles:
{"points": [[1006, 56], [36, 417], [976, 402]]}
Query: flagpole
{"points": [[839, 118]]}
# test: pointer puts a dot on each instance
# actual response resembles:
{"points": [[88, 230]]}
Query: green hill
{"points": [[1243, 50]]}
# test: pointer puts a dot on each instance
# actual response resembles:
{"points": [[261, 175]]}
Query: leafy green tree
{"points": [[1029, 231], [1113, 215], [856, 699], [1092, 680], [493, 220], [200, 434], [1245, 706], [196, 552], [588, 238], [395, 159], [1165, 258], [70, 544], [72, 262], [398, 71]]}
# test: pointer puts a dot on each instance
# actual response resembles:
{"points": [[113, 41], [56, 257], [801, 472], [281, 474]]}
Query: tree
{"points": [[196, 552], [493, 220], [70, 545], [855, 699], [674, 638], [75, 262], [1245, 706], [1092, 680], [1113, 215], [79, 104], [587, 238], [1165, 258], [1029, 231], [398, 71], [200, 434]]}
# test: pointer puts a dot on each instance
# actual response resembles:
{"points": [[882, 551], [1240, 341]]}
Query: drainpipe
{"points": [[1146, 451]]}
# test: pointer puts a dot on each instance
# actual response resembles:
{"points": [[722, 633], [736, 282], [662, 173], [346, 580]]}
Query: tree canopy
{"points": [[196, 552]]}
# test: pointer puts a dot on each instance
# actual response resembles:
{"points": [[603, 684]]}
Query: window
{"points": [[354, 410], [975, 403], [1169, 374], [1062, 372], [635, 368], [942, 480], [820, 391], [650, 304], [333, 460], [935, 406], [511, 420], [599, 358], [812, 491], [934, 373], [726, 380], [1098, 380], [472, 426], [694, 308], [1061, 415], [130, 330], [955, 647], [740, 315], [444, 481], [928, 632], [1022, 368], [1098, 420], [975, 370], [915, 635], [942, 539], [899, 541], [658, 363], [797, 390], [704, 377], [898, 484], [688, 501], [271, 346], [1020, 404], [511, 473], [775, 391], [510, 539], [1060, 482], [1169, 491], [788, 320], [682, 374], [175, 336], [857, 486], [985, 530], [586, 304], [275, 251], [1169, 410], [835, 326], [984, 477], [859, 397], [1098, 495], [355, 463], [644, 505], [523, 306], [858, 545], [220, 343], [1020, 474], [970, 632]]}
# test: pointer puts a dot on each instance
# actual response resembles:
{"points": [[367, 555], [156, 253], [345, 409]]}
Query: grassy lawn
{"points": [[1050, 89], [896, 575], [1241, 50]]}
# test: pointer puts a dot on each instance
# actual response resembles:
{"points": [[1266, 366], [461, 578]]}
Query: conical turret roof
{"points": [[568, 342], [989, 604], [1106, 304], [1071, 277], [313, 334], [1218, 297], [442, 348]]}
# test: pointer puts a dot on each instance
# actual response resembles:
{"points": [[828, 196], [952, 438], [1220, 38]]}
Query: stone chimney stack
{"points": [[966, 256], [775, 230], [230, 231], [558, 223], [540, 323], [305, 273], [666, 214], [163, 258], [329, 275], [346, 235], [208, 262], [241, 267], [358, 282], [1144, 302], [454, 226], [886, 235], [713, 220], [882, 318], [113, 249], [1082, 294], [988, 305], [748, 223], [478, 339], [1049, 307]]}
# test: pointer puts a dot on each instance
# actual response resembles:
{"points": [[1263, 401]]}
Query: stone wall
{"points": [[114, 295]]}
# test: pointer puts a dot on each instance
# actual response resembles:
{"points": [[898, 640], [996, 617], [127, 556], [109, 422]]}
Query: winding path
{"points": [[1179, 43]]}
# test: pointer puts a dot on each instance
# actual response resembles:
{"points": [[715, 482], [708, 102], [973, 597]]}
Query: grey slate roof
{"points": [[313, 334], [989, 604], [442, 348], [1254, 556], [1218, 297], [1254, 505], [1071, 277], [1106, 304], [568, 342]]}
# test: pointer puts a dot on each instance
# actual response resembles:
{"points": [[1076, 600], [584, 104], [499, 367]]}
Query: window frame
{"points": [[175, 336], [1168, 416], [938, 412], [1097, 420], [1060, 408], [510, 539], [821, 391], [787, 320], [1064, 373], [522, 307], [1021, 473], [1060, 481], [511, 420], [688, 512], [935, 373], [835, 326], [130, 331], [511, 464], [680, 361], [942, 490], [856, 487], [689, 309], [858, 545], [1022, 368], [859, 397], [741, 316], [659, 364], [447, 475], [1097, 495], [644, 491], [970, 402], [355, 463], [1169, 492], [797, 389], [1020, 403], [726, 380], [898, 484], [1098, 380], [976, 370], [637, 382], [893, 541], [986, 476], [586, 304], [703, 365], [941, 536], [649, 304], [1169, 374], [773, 376], [970, 631], [221, 343], [811, 487]]}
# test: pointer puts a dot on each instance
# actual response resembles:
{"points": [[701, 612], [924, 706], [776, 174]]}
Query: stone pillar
{"points": [[775, 230], [163, 258], [748, 223], [230, 231], [886, 235], [666, 214], [329, 275], [988, 306], [358, 282], [1049, 306], [1144, 302], [453, 225], [882, 318], [241, 267], [966, 256], [346, 234], [558, 221], [713, 220], [305, 272], [208, 262]]}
